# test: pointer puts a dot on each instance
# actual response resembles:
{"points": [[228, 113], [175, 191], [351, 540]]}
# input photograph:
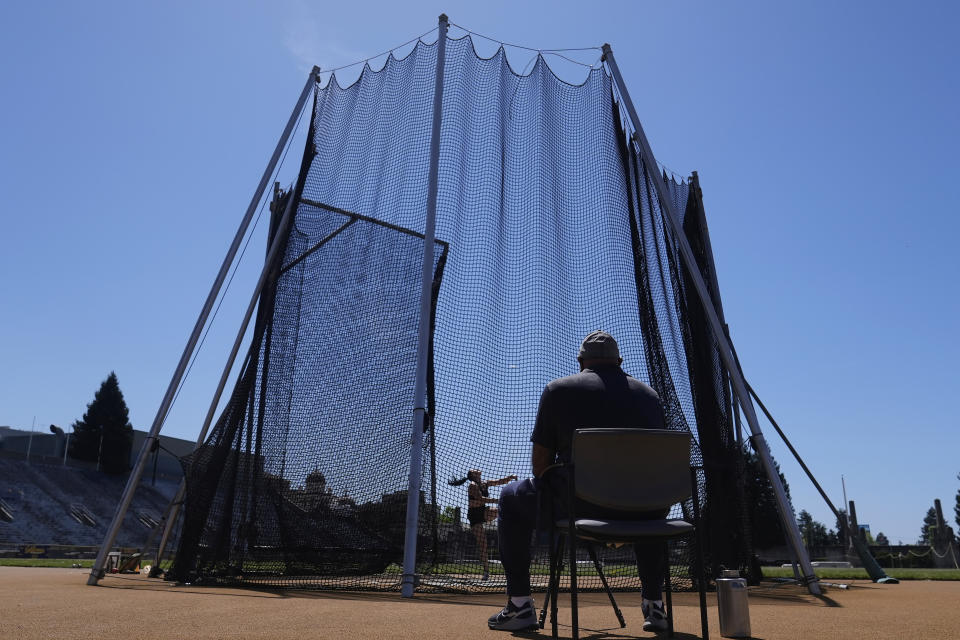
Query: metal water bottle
{"points": [[732, 604]]}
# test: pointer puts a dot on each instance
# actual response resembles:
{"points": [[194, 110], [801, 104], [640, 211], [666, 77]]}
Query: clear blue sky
{"points": [[825, 136]]}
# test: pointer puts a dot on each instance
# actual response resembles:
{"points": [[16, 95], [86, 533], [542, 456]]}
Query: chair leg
{"points": [[603, 579], [668, 588], [572, 547], [701, 565]]}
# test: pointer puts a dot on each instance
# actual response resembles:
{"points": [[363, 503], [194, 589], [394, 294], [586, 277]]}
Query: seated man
{"points": [[601, 395]]}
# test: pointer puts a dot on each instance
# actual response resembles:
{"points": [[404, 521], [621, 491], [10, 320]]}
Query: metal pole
{"points": [[272, 254], [736, 417], [844, 484], [759, 443], [66, 448], [97, 571], [33, 426], [170, 517], [846, 516], [803, 465], [426, 287]]}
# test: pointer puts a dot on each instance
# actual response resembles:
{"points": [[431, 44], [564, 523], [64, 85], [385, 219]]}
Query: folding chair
{"points": [[632, 471]]}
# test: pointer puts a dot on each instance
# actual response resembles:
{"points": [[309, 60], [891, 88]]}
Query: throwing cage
{"points": [[455, 230]]}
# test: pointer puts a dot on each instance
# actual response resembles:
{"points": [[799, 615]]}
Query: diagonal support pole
{"points": [[126, 498], [423, 351], [723, 346], [273, 255]]}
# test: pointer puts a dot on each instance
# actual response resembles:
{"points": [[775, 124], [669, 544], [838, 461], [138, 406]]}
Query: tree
{"points": [[765, 525], [929, 527], [104, 432], [449, 515], [843, 523], [814, 533], [956, 510], [805, 524], [882, 539]]}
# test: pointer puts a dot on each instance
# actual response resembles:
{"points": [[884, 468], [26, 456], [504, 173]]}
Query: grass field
{"points": [[768, 572], [45, 562], [861, 574]]}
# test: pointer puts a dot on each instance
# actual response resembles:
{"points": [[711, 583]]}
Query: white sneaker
{"points": [[654, 617], [513, 618]]}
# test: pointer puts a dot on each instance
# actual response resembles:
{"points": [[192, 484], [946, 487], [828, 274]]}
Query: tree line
{"points": [[767, 530]]}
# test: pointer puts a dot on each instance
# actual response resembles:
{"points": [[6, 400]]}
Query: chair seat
{"points": [[627, 530]]}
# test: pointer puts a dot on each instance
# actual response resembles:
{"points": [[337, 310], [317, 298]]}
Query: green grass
{"points": [[861, 574], [768, 572], [610, 571], [45, 562]]}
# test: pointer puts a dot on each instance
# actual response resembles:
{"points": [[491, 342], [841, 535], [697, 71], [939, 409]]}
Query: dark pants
{"points": [[519, 506]]}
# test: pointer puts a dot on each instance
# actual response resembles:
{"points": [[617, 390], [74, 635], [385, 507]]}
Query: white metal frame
{"points": [[409, 579]]}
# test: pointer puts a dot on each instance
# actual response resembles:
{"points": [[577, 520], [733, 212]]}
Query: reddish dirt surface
{"points": [[57, 603]]}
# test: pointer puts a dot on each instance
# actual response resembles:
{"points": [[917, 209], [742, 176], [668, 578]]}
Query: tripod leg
{"points": [[556, 587], [554, 552], [603, 579]]}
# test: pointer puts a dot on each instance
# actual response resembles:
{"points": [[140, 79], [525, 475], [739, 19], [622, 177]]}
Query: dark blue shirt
{"points": [[602, 396]]}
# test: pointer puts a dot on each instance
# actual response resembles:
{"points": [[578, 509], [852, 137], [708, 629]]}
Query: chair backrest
{"points": [[631, 469]]}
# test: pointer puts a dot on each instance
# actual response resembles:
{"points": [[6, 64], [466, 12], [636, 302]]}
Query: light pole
{"points": [[100, 452], [33, 426], [54, 429]]}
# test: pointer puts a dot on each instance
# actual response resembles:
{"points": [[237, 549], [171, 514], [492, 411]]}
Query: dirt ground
{"points": [[56, 603]]}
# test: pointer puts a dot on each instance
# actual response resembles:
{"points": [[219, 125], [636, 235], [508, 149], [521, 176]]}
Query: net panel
{"points": [[547, 228]]}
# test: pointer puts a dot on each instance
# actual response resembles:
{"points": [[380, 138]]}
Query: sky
{"points": [[132, 137]]}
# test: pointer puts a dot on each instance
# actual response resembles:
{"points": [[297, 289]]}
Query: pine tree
{"points": [[104, 432], [843, 524], [929, 526], [805, 524], [956, 511], [814, 533]]}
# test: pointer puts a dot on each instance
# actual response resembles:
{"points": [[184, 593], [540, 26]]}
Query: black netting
{"points": [[547, 228]]}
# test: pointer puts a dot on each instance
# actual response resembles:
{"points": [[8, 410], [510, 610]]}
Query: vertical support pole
{"points": [[97, 571], [854, 525], [423, 350], [846, 519], [167, 522], [723, 346], [30, 439]]}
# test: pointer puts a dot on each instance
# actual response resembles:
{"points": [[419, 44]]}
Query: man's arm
{"points": [[541, 458], [544, 435]]}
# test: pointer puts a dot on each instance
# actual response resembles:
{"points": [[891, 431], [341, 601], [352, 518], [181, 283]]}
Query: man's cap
{"points": [[599, 345]]}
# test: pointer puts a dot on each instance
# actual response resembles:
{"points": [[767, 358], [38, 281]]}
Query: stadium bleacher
{"points": [[50, 504]]}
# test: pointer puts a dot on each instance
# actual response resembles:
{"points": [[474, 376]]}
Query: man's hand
{"points": [[541, 458]]}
